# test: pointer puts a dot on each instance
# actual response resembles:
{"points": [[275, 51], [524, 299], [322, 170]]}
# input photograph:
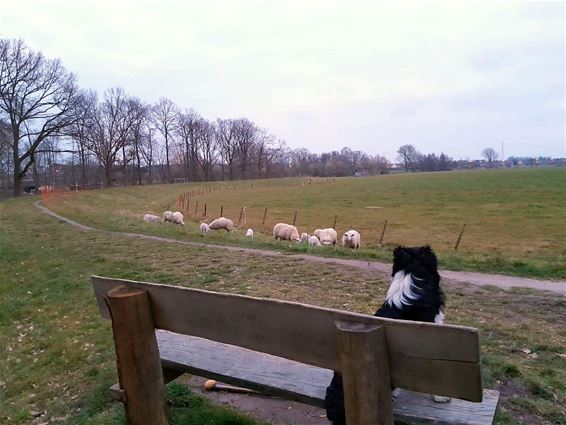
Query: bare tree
{"points": [[37, 97], [139, 115], [78, 130], [490, 156], [109, 131], [165, 114], [409, 155], [244, 135], [227, 144], [273, 154], [207, 147], [264, 142], [148, 150], [187, 129]]}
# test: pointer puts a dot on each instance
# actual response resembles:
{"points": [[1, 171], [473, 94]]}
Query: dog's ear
{"points": [[428, 259], [401, 259]]}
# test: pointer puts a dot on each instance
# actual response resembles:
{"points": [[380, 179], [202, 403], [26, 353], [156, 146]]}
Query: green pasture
{"points": [[515, 218], [57, 352]]}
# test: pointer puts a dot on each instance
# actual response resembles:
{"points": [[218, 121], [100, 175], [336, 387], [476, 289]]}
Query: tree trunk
{"points": [[17, 179], [17, 163], [83, 169], [167, 157], [108, 175]]}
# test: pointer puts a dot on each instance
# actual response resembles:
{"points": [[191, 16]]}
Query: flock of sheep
{"points": [[281, 231]]}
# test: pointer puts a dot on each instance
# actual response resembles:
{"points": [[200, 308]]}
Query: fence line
{"points": [[183, 202]]}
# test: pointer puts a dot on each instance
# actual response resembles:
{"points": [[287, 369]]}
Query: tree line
{"points": [[53, 131], [50, 126]]}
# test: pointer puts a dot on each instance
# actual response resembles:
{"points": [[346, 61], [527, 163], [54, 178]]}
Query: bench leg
{"points": [[137, 356], [365, 374]]}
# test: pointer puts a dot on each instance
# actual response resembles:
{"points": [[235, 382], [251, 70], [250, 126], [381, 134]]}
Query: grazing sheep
{"points": [[204, 228], [305, 237], [167, 216], [249, 233], [351, 239], [151, 218], [177, 218], [287, 232], [222, 223], [326, 236], [314, 241]]}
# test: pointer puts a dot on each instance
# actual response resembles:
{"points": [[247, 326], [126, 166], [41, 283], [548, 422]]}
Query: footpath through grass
{"points": [[57, 353], [514, 218]]}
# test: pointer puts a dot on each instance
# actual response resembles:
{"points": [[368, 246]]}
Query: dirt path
{"points": [[480, 279]]}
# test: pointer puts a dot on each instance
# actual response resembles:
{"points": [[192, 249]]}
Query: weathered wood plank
{"points": [[307, 334], [242, 367], [137, 356], [299, 382], [365, 374], [417, 408]]}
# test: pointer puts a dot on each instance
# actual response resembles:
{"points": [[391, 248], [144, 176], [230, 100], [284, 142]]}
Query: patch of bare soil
{"points": [[271, 409], [510, 389]]}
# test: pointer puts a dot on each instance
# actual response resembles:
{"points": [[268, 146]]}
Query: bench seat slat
{"points": [[304, 383]]}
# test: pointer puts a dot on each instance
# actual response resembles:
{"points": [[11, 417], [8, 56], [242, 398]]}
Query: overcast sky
{"points": [[449, 76]]}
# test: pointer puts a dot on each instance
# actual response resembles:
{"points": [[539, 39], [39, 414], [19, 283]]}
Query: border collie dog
{"points": [[414, 294]]}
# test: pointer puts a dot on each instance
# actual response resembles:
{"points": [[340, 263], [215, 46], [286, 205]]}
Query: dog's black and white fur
{"points": [[414, 294]]}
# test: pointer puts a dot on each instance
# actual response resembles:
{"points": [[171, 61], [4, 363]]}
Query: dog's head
{"points": [[418, 261]]}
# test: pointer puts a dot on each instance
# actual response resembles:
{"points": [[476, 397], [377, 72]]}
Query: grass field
{"points": [[57, 352], [515, 219]]}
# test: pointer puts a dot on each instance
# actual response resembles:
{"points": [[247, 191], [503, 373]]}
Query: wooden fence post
{"points": [[137, 354], [383, 232], [241, 212], [204, 215], [459, 237], [221, 210], [295, 218], [334, 225], [264, 215], [196, 208], [365, 373]]}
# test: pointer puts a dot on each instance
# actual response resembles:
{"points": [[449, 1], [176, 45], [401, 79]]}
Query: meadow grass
{"points": [[57, 351], [515, 218]]}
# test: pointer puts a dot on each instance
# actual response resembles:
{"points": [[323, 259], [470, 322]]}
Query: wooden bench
{"points": [[290, 350]]}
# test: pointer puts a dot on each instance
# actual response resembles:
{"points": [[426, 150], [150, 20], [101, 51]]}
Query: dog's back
{"points": [[414, 294]]}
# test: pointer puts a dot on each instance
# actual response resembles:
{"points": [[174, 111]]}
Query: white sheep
{"points": [[284, 231], [314, 241], [204, 228], [351, 239], [177, 218], [326, 236], [222, 223], [151, 218], [249, 233], [305, 237], [167, 216]]}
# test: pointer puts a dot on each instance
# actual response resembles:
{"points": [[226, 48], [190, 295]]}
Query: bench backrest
{"points": [[423, 357]]}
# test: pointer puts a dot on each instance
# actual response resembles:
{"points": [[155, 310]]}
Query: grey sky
{"points": [[445, 76]]}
